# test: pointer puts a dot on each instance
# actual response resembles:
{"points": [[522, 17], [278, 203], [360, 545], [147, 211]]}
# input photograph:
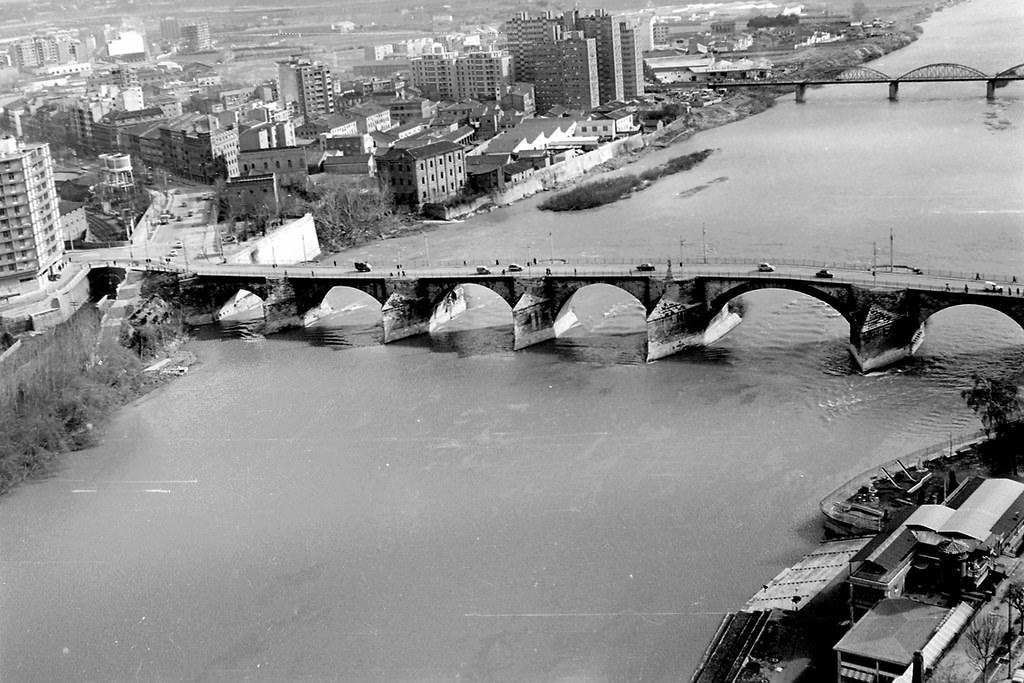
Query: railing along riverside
{"points": [[844, 492]]}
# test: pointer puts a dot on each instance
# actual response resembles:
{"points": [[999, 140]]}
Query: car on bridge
{"points": [[765, 268], [824, 272], [483, 270], [992, 287], [363, 267], [515, 268], [645, 267]]}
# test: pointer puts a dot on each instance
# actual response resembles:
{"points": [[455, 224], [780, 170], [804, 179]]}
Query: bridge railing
{"points": [[857, 276]]}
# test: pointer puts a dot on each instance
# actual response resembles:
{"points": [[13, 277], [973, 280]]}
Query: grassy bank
{"points": [[58, 390], [608, 190]]}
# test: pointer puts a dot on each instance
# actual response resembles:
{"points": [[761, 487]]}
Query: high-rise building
{"points": [[529, 41], [196, 36], [308, 85], [30, 235], [632, 61], [566, 73], [170, 28], [604, 29]]}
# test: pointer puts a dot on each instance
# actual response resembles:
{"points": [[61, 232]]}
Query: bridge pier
{"points": [[680, 321], [885, 338], [801, 91], [533, 321], [894, 91], [405, 316]]}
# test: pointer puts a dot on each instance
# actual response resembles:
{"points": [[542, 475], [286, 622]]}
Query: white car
{"points": [[765, 268], [1018, 676], [178, 244]]}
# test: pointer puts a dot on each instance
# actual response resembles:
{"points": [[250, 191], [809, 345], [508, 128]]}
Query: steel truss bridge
{"points": [[942, 72]]}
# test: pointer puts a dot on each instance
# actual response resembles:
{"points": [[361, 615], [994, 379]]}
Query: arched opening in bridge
{"points": [[471, 318], [345, 317], [243, 315], [781, 324], [966, 339], [602, 322]]}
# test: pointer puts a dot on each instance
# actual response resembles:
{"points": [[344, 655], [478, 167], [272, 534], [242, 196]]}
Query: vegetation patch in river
{"points": [[608, 190]]}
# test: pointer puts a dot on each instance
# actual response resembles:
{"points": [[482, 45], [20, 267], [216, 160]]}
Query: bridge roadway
{"points": [[686, 305]]}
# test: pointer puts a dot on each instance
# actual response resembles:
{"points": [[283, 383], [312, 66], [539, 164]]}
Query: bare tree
{"points": [[948, 675], [1015, 595], [983, 637]]}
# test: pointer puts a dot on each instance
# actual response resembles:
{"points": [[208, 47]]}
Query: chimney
{"points": [[918, 675]]}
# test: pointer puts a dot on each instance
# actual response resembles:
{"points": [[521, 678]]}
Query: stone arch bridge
{"points": [[886, 320]]}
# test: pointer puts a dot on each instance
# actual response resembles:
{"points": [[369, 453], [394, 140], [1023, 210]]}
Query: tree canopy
{"points": [[996, 401]]}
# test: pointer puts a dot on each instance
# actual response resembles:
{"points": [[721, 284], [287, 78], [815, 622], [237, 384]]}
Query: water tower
{"points": [[116, 173]]}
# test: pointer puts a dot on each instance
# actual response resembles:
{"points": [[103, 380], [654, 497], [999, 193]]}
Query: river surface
{"points": [[316, 506]]}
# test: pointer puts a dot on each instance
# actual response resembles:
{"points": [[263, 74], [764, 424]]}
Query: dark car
{"points": [[514, 268], [363, 267], [645, 267], [824, 272], [483, 270]]}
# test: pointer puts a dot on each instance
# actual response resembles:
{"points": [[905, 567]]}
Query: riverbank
{"points": [[59, 390]]}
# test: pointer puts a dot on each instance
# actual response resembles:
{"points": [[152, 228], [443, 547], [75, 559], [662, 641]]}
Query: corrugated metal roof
{"points": [[979, 513], [930, 517], [806, 578]]}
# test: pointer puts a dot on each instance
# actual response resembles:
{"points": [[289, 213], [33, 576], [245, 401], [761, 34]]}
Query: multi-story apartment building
{"points": [[566, 74], [616, 52], [632, 60], [375, 53], [308, 85], [604, 29], [30, 233], [196, 36], [52, 48], [428, 174], [196, 147], [474, 75], [482, 75], [434, 75]]}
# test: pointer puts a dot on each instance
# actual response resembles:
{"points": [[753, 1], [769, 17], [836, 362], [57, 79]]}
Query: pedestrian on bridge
{"points": [[965, 288]]}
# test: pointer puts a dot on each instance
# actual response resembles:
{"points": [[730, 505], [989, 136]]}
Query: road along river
{"points": [[315, 506]]}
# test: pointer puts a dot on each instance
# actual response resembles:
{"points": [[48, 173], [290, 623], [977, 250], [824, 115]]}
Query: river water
{"points": [[316, 506]]}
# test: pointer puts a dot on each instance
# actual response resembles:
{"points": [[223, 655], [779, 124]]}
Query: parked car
{"points": [[824, 272], [363, 267], [1018, 676], [483, 270], [992, 287], [765, 267], [178, 244], [645, 267], [514, 268]]}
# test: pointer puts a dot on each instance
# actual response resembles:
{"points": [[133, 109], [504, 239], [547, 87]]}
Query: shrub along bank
{"points": [[608, 190], [59, 388]]}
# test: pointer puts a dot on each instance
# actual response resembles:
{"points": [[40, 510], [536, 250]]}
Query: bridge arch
{"points": [[994, 304], [1017, 71], [455, 300], [614, 318], [349, 301], [862, 74], [719, 300], [942, 71]]}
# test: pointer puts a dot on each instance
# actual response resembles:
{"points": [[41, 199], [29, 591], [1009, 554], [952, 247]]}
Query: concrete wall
{"points": [[291, 243], [546, 178]]}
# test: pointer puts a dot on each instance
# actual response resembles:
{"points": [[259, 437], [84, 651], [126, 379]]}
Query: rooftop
{"points": [[892, 631]]}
